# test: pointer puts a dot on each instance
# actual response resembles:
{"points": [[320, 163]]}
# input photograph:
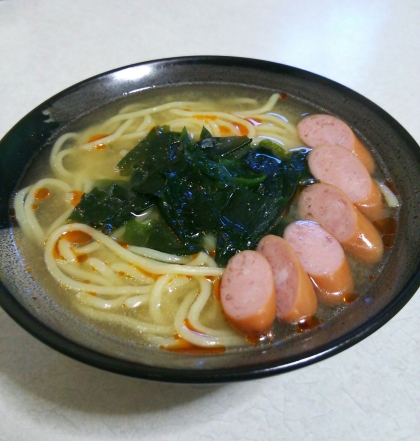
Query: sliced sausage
{"points": [[295, 294], [337, 166], [247, 292], [319, 130], [334, 211], [322, 257]]}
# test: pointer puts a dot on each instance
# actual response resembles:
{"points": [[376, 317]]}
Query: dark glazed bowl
{"points": [[395, 152]]}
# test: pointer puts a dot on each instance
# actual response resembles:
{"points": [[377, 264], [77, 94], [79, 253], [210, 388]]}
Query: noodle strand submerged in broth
{"points": [[166, 299]]}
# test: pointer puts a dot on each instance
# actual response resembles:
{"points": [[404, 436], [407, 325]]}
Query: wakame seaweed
{"points": [[217, 185], [108, 207]]}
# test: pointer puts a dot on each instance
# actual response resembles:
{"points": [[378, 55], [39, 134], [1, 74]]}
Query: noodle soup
{"points": [[168, 300]]}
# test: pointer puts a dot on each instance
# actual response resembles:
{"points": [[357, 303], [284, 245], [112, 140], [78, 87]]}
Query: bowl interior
{"points": [[394, 150]]}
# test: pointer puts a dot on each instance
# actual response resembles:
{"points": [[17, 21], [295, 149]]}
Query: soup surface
{"points": [[135, 263]]}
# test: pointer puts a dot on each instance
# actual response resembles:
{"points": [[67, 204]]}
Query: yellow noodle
{"points": [[97, 302], [136, 301], [55, 163], [177, 286], [103, 269], [59, 270], [222, 118], [86, 249], [109, 138], [244, 100], [146, 124], [149, 110], [197, 308], [203, 259], [267, 107], [278, 120], [26, 211], [271, 138], [158, 255], [58, 168], [136, 282], [264, 128], [147, 264], [132, 272], [89, 279], [198, 339], [19, 205], [137, 135], [65, 250], [155, 298]]}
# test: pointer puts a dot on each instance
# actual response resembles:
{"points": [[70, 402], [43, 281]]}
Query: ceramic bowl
{"points": [[395, 151]]}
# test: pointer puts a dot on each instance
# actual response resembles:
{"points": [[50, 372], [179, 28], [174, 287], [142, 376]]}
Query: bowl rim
{"points": [[218, 375]]}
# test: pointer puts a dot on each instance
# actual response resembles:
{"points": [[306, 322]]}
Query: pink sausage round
{"points": [[334, 211], [322, 257], [319, 130], [295, 294], [337, 166], [247, 292]]}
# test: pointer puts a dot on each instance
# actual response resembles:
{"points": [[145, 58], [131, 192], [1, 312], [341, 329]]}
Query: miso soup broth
{"points": [[101, 266]]}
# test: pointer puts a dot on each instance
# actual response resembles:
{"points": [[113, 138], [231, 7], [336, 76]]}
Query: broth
{"points": [[178, 310]]}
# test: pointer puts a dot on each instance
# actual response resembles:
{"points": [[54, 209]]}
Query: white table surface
{"points": [[370, 391]]}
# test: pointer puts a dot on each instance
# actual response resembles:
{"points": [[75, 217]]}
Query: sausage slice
{"points": [[334, 211], [337, 166], [322, 257], [247, 292], [319, 130], [295, 294]]}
